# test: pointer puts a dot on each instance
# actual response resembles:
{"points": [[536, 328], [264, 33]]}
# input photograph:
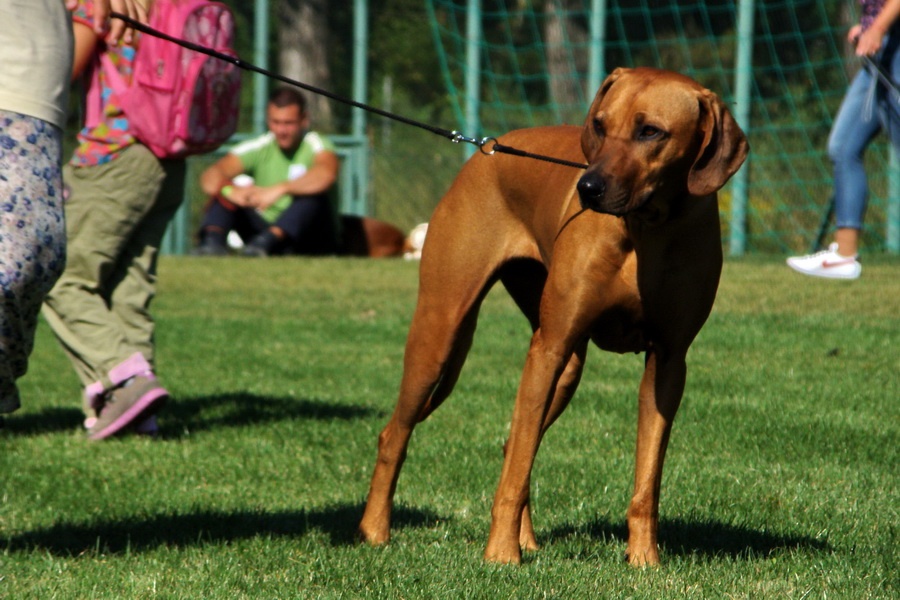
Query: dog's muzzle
{"points": [[595, 194], [592, 194]]}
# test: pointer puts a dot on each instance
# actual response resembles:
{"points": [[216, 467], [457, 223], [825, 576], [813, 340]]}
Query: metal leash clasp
{"points": [[484, 142], [457, 137]]}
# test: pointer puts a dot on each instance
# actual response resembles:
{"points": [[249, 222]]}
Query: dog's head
{"points": [[652, 135]]}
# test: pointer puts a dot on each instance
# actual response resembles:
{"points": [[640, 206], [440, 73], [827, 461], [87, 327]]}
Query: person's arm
{"points": [[318, 179], [85, 44], [117, 29], [220, 174], [870, 40]]}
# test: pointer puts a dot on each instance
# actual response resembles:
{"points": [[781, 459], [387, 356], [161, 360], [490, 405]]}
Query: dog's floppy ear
{"points": [[722, 151], [588, 139]]}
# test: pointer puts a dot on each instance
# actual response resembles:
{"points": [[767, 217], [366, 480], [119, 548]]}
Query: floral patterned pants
{"points": [[32, 238]]}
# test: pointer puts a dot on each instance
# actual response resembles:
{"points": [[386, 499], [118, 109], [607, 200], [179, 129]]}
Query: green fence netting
{"points": [[534, 66]]}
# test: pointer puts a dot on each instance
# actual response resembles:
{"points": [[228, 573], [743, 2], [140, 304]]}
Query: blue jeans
{"points": [[308, 223], [868, 107]]}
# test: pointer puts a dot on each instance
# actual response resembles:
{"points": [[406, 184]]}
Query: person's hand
{"points": [[114, 29], [869, 41], [254, 196], [264, 197], [240, 196]]}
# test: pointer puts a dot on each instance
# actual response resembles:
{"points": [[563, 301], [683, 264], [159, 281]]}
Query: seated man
{"points": [[285, 208]]}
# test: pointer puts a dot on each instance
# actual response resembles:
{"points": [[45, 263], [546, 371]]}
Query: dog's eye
{"points": [[649, 132], [598, 127]]}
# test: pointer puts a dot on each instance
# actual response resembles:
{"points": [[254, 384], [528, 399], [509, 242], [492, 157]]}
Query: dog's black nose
{"points": [[591, 190]]}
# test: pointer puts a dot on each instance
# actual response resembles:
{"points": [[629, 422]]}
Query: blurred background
{"points": [[483, 67]]}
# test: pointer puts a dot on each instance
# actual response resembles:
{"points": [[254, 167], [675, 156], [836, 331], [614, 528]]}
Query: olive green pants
{"points": [[116, 216]]}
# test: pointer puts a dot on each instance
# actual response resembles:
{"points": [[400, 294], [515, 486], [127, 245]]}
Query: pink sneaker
{"points": [[148, 427], [130, 404]]}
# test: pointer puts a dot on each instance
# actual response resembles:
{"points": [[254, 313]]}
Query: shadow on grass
{"points": [[201, 528], [203, 413], [49, 420], [338, 524], [237, 410], [703, 538]]}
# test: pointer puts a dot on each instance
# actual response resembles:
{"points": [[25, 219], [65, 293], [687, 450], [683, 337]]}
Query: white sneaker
{"points": [[827, 263]]}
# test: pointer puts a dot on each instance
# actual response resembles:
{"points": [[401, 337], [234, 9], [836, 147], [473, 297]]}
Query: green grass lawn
{"points": [[781, 480]]}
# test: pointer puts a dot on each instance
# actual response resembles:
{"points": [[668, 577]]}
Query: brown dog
{"points": [[365, 236], [627, 254]]}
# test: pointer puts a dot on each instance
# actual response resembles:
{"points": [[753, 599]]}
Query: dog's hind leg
{"points": [[440, 337]]}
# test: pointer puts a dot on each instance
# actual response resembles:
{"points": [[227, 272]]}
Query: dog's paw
{"points": [[642, 558]]}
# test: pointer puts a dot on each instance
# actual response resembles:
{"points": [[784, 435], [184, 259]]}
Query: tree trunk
{"points": [[303, 52], [562, 36]]}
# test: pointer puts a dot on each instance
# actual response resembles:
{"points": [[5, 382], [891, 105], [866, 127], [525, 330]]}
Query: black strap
{"points": [[453, 136]]}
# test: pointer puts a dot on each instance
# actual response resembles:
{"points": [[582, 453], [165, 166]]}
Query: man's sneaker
{"points": [[264, 244], [210, 248], [827, 263], [131, 403]]}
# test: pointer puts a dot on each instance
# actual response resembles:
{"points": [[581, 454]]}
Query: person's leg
{"points": [[220, 219], [105, 209], [133, 288], [32, 238], [308, 225], [250, 224], [133, 283], [846, 241], [856, 123]]}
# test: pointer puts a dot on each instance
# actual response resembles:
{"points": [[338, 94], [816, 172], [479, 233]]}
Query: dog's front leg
{"points": [[542, 371], [565, 389], [660, 395]]}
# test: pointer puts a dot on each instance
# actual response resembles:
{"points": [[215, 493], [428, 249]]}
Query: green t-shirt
{"points": [[263, 160]]}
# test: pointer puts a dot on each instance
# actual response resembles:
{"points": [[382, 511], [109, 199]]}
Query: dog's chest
{"points": [[620, 329]]}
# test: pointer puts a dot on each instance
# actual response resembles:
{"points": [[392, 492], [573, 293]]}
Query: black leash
{"points": [[880, 74], [453, 136], [885, 80]]}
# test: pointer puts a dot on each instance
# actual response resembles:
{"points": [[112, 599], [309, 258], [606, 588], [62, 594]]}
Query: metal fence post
{"points": [[892, 218], [597, 50], [743, 75], [356, 201], [261, 59], [473, 72]]}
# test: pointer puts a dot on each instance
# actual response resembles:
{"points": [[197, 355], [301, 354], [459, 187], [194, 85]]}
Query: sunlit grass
{"points": [[781, 478]]}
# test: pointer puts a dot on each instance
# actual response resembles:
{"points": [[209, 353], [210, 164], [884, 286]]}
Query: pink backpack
{"points": [[180, 102]]}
